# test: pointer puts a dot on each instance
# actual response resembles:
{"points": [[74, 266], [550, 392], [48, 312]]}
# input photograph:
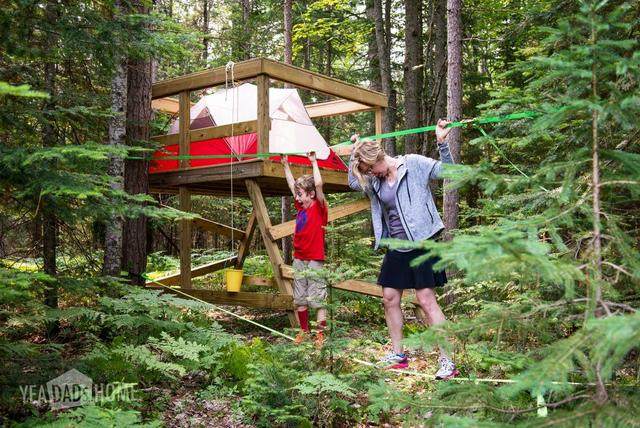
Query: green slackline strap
{"points": [[479, 121], [476, 121]]}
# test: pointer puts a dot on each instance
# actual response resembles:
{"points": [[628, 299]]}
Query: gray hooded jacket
{"points": [[416, 207]]}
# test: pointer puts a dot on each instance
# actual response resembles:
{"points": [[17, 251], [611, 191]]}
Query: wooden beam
{"points": [[167, 105], [264, 223], [183, 192], [199, 271], [286, 271], [205, 174], [184, 141], [335, 108], [239, 128], [320, 83], [329, 176], [219, 228], [253, 280], [212, 226], [166, 140], [271, 301], [185, 239], [206, 78], [354, 285], [264, 119], [369, 289], [209, 133], [378, 120], [361, 287], [243, 250], [288, 228], [284, 72]]}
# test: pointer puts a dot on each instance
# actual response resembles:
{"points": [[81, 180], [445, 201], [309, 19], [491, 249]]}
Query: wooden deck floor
{"points": [[216, 179]]}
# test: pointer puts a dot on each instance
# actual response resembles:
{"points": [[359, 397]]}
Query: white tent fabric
{"points": [[291, 128]]}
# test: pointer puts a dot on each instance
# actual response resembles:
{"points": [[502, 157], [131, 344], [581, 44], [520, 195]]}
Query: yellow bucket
{"points": [[234, 280]]}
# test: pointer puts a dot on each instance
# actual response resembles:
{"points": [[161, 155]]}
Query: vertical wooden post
{"points": [[264, 121], [378, 120], [264, 223], [184, 117], [184, 194]]}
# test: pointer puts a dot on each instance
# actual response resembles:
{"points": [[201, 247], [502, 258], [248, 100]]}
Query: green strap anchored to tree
{"points": [[462, 123], [478, 121]]}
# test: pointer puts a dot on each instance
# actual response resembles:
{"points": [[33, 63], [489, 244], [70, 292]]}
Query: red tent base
{"points": [[241, 144]]}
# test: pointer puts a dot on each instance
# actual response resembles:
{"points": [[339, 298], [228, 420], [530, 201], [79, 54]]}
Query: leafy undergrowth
{"points": [[194, 366]]}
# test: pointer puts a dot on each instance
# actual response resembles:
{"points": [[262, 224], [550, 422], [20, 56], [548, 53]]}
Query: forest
{"points": [[115, 307]]}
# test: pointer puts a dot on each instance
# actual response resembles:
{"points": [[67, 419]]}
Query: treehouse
{"points": [[228, 143]]}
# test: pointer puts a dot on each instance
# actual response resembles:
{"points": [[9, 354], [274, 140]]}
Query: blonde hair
{"points": [[306, 183], [365, 153]]}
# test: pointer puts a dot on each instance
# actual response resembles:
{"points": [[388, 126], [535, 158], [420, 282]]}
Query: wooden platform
{"points": [[216, 179]]}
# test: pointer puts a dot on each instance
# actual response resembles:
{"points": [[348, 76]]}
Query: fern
{"points": [[143, 357], [180, 348]]}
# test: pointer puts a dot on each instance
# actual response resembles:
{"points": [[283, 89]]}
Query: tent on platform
{"points": [[292, 130]]}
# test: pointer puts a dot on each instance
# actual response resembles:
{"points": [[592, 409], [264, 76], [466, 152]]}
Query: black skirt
{"points": [[397, 272]]}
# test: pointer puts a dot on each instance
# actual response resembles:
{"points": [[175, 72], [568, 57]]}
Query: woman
{"points": [[402, 207]]}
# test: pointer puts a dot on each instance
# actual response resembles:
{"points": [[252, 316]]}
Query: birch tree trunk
{"points": [[117, 131]]}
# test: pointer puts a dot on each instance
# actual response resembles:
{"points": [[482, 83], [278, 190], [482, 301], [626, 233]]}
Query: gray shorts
{"points": [[309, 292]]}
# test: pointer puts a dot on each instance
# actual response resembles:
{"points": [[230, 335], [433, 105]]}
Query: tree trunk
{"points": [[413, 72], [136, 171], [454, 103], [205, 30], [384, 55], [372, 51], [440, 61], [438, 85], [50, 139], [285, 202], [117, 132], [246, 11], [288, 32], [328, 71]]}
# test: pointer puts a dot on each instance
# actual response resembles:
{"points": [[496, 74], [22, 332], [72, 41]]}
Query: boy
{"points": [[308, 246]]}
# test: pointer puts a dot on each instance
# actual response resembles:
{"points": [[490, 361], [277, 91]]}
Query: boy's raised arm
{"points": [[284, 160], [317, 178]]}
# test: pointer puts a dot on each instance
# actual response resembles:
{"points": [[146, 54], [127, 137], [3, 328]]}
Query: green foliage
{"points": [[20, 91], [94, 416]]}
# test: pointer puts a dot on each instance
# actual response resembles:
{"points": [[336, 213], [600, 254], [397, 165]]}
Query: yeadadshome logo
{"points": [[73, 388]]}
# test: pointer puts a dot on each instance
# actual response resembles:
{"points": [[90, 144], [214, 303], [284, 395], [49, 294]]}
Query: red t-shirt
{"points": [[308, 239]]}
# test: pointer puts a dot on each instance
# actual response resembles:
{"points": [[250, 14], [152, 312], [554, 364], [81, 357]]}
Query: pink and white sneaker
{"points": [[447, 369], [394, 361]]}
